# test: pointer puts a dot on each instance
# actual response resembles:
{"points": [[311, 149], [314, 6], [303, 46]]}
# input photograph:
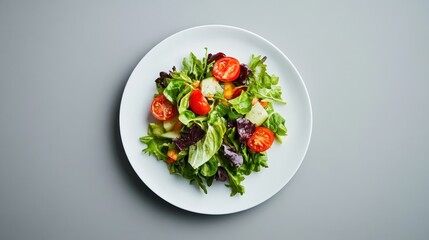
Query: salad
{"points": [[215, 119]]}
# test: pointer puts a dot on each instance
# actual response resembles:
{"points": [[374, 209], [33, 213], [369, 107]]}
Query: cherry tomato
{"points": [[162, 109], [237, 91], [198, 103], [226, 69], [261, 140], [230, 91]]}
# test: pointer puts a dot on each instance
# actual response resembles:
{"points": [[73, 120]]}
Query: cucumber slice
{"points": [[169, 124], [210, 86], [257, 114], [172, 134], [155, 129]]}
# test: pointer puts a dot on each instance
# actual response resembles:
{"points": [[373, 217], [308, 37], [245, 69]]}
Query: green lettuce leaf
{"points": [[188, 117], [175, 90], [242, 104], [204, 149], [184, 103], [276, 123], [181, 76], [209, 168], [231, 138], [195, 68], [217, 113]]}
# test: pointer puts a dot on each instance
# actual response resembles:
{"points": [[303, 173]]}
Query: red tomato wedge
{"points": [[162, 109], [198, 103], [261, 140], [237, 91], [226, 69]]}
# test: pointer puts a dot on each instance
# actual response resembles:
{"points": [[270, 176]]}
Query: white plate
{"points": [[283, 159]]}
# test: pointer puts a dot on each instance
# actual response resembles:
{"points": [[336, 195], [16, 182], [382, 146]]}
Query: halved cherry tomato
{"points": [[261, 140], [162, 109], [230, 91], [237, 91], [198, 103], [226, 69]]}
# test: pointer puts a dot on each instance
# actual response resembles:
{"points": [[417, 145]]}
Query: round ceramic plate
{"points": [[283, 159]]}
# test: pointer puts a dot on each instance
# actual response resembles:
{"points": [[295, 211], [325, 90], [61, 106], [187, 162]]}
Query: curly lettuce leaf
{"points": [[234, 182], [261, 84], [195, 68], [185, 170], [156, 146], [253, 162]]}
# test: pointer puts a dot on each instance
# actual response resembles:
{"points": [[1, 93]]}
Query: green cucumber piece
{"points": [[210, 86], [257, 114], [172, 134]]}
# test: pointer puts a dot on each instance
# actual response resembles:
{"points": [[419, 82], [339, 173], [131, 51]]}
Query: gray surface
{"points": [[63, 172]]}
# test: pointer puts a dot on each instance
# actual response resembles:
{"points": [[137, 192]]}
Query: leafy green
{"points": [[156, 146], [184, 103], [242, 104], [204, 149], [188, 171], [181, 76], [253, 162], [175, 90], [234, 182], [200, 182], [231, 138], [209, 168], [232, 114], [183, 168], [188, 117], [193, 67], [269, 108], [189, 136], [274, 94], [276, 123], [261, 84], [218, 112]]}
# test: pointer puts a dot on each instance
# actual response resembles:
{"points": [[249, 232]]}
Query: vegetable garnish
{"points": [[216, 119]]}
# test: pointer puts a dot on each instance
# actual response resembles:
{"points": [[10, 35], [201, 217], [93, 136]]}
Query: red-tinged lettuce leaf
{"points": [[245, 129], [221, 174], [189, 137], [232, 155]]}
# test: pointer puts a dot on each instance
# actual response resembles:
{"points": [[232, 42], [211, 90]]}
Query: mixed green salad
{"points": [[215, 119]]}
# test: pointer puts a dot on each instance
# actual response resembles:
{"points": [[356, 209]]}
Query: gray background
{"points": [[63, 171]]}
